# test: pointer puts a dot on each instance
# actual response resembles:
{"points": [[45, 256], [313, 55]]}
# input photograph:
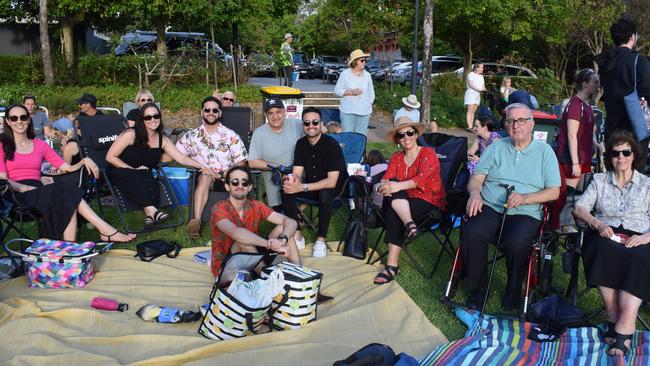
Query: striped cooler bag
{"points": [[299, 307], [58, 263], [225, 316]]}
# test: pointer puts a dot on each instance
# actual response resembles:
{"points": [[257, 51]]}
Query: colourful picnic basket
{"points": [[58, 263], [298, 308]]}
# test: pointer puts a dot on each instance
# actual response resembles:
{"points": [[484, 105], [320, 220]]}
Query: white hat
{"points": [[288, 35], [411, 101], [357, 54]]}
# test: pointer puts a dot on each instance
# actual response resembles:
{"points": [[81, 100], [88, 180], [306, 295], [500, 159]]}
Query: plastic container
{"points": [[295, 76], [179, 179]]}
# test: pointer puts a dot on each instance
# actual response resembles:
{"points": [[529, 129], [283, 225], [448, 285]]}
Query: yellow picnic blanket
{"points": [[58, 327]]}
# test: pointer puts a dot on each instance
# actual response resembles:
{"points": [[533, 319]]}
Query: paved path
{"points": [[309, 85]]}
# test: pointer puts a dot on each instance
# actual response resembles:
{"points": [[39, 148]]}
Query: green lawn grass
{"points": [[426, 293]]}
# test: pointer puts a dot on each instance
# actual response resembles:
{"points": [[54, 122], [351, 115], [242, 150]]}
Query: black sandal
{"points": [[160, 216], [610, 332], [108, 237], [411, 229], [391, 273], [619, 343], [148, 221]]}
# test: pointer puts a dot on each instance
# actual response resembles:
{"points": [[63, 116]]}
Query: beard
{"points": [[207, 122]]}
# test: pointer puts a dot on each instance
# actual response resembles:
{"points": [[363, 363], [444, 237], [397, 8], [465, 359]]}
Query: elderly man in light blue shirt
{"points": [[357, 94], [530, 166]]}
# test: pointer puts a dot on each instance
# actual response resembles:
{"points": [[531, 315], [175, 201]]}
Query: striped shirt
{"points": [[355, 104]]}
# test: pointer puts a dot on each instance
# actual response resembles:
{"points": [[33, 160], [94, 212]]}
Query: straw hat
{"points": [[401, 123], [411, 101], [357, 54]]}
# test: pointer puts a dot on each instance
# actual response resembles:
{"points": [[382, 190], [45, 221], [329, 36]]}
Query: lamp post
{"points": [[414, 63]]}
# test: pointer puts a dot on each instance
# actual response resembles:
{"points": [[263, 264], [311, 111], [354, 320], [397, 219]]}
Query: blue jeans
{"points": [[354, 122]]}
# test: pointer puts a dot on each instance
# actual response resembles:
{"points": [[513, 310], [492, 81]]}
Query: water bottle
{"points": [[646, 114], [108, 304]]}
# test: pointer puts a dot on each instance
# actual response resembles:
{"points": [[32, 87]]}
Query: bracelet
{"points": [[283, 236]]}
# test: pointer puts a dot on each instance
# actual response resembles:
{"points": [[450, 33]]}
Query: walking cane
{"points": [[509, 190]]}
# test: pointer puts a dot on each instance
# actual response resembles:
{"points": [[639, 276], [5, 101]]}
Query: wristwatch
{"points": [[283, 236], [305, 188]]}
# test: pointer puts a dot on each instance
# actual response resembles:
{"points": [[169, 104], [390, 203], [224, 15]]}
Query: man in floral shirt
{"points": [[235, 223], [215, 146]]}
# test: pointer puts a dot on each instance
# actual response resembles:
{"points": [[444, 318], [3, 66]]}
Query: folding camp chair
{"points": [[353, 146], [452, 153], [13, 215], [98, 133]]}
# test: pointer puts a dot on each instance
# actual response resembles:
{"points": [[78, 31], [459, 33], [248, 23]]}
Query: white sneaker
{"points": [[300, 244], [320, 249]]}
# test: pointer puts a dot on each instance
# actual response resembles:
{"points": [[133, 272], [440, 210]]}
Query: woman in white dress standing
{"points": [[475, 85]]}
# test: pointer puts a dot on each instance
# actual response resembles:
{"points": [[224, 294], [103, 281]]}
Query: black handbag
{"points": [[356, 240], [152, 249]]}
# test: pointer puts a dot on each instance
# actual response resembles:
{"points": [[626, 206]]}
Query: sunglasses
{"points": [[229, 99], [236, 182], [617, 153], [149, 118], [22, 117], [401, 135], [213, 110], [361, 60], [314, 122], [149, 100]]}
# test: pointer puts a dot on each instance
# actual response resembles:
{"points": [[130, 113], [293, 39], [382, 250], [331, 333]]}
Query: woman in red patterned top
{"points": [[412, 188]]}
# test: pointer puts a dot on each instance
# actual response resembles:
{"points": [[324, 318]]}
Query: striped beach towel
{"points": [[495, 341]]}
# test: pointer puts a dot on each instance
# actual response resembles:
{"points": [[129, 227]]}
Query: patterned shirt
{"points": [[628, 206], [218, 151], [425, 172], [254, 213]]}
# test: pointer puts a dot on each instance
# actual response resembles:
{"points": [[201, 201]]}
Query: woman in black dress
{"points": [[616, 257], [138, 150]]}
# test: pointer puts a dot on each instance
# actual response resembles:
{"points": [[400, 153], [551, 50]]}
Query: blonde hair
{"points": [[503, 81], [143, 93]]}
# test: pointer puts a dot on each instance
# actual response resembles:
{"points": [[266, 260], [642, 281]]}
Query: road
{"points": [[309, 85]]}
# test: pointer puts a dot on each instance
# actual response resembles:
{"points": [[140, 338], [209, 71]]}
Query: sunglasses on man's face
{"points": [[236, 182], [150, 117], [148, 100], [213, 110], [228, 99], [22, 117], [616, 153], [401, 135], [314, 122]]}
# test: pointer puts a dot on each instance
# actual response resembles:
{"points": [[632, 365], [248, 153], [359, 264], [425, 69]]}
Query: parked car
{"points": [[496, 69], [261, 64], [301, 64], [384, 73], [144, 42], [373, 65], [439, 65], [328, 67]]}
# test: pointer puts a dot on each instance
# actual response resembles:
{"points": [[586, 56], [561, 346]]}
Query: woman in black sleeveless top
{"points": [[135, 152]]}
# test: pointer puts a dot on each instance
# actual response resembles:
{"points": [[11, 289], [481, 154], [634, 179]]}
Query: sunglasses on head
{"points": [[22, 117], [213, 110], [149, 118], [228, 99], [148, 100], [617, 153], [401, 135], [314, 122], [236, 182]]}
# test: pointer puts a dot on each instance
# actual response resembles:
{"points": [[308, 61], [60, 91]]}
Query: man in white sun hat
{"points": [[286, 58], [410, 109]]}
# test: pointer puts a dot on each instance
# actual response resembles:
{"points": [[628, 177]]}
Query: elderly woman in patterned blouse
{"points": [[616, 206], [412, 188]]}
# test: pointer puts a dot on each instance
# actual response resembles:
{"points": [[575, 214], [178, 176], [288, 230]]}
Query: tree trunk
{"points": [[46, 54], [427, 31], [67, 41], [468, 58], [161, 45]]}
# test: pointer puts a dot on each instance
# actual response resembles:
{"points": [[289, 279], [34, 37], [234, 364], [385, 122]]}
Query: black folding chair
{"points": [[452, 153], [98, 133]]}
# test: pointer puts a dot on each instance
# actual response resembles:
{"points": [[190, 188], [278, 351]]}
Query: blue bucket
{"points": [[179, 179]]}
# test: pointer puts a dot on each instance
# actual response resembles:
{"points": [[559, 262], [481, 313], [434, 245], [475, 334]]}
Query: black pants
{"points": [[287, 71], [519, 231], [138, 186], [325, 197], [420, 210]]}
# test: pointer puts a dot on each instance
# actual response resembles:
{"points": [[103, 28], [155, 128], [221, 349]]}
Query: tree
{"points": [[427, 31], [46, 55]]}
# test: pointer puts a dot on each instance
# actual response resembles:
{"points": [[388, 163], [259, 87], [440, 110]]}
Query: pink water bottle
{"points": [[108, 304]]}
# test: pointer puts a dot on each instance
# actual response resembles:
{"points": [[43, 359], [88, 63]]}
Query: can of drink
{"points": [[290, 178]]}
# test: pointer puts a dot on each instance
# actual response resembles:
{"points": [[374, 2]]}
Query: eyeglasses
{"points": [[236, 182], [22, 117], [401, 135], [361, 60], [520, 121], [314, 122], [213, 110], [149, 118], [228, 99], [148, 100], [617, 153]]}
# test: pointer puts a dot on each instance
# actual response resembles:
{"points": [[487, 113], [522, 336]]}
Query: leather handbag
{"points": [[634, 112], [356, 240], [152, 249]]}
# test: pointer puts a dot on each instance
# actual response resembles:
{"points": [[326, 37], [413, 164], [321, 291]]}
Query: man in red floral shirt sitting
{"points": [[235, 223]]}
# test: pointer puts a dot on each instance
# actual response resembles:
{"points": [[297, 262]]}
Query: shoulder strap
{"points": [[635, 62]]}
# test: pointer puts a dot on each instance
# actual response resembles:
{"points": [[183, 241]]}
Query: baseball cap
{"points": [[272, 103], [87, 98]]}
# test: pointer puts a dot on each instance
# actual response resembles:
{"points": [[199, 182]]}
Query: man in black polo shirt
{"points": [[321, 160]]}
